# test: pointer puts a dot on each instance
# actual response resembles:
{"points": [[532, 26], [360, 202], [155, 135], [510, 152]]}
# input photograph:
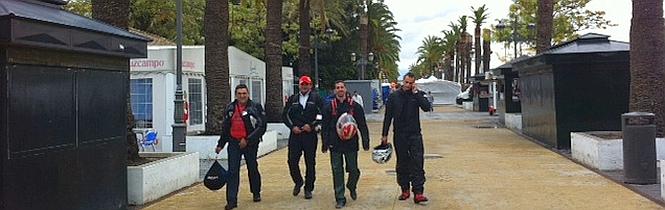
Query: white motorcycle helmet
{"points": [[346, 126], [382, 153]]}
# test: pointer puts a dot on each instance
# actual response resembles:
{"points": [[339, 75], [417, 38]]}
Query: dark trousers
{"points": [[235, 152], [299, 144], [410, 160], [337, 160]]}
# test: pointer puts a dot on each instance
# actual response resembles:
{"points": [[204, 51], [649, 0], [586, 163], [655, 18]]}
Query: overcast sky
{"points": [[420, 18]]}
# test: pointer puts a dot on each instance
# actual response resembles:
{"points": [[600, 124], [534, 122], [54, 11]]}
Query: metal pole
{"points": [[363, 66], [316, 66], [179, 126]]}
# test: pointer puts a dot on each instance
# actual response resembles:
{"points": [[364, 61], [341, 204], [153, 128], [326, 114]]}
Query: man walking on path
{"points": [[402, 110], [242, 128], [300, 115], [344, 148]]}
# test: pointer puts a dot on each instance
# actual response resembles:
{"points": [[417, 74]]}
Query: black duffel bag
{"points": [[216, 177]]}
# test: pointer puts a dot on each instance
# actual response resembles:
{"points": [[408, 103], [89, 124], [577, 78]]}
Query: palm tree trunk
{"points": [[469, 46], [487, 51], [545, 24], [116, 13], [216, 29], [458, 61], [273, 50], [478, 50], [304, 64], [647, 60]]}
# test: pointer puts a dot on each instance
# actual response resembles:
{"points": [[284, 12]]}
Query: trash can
{"points": [[639, 148]]}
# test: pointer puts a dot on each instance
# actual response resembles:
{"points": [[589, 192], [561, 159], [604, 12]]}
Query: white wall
{"points": [[160, 66]]}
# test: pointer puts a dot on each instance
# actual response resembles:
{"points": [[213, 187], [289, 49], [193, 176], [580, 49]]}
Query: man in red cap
{"points": [[301, 115]]}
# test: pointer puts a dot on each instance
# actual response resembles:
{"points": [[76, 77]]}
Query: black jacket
{"points": [[295, 115], [402, 108], [329, 130], [255, 123]]}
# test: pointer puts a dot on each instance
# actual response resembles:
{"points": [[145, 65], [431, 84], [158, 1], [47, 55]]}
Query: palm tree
{"points": [[216, 29], [647, 60], [273, 48], [479, 17], [382, 38], [545, 22], [463, 50], [449, 43], [304, 65], [116, 13], [456, 31], [430, 53], [487, 51]]}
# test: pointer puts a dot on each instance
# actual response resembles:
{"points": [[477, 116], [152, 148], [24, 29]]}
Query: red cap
{"points": [[305, 80]]}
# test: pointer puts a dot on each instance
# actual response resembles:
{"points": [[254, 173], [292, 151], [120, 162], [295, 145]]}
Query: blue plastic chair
{"points": [[149, 139]]}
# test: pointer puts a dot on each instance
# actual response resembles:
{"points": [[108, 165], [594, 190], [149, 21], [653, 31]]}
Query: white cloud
{"points": [[420, 18]]}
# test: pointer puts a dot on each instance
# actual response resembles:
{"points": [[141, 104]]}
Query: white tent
{"points": [[444, 91]]}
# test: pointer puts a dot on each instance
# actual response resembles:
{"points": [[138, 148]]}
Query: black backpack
{"points": [[216, 177]]}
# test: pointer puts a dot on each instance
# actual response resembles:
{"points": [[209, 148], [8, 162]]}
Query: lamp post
{"points": [[362, 63], [514, 37], [179, 126], [318, 43]]}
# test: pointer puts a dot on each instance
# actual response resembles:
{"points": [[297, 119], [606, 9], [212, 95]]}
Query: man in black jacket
{"points": [[343, 150], [402, 109], [300, 115], [242, 128]]}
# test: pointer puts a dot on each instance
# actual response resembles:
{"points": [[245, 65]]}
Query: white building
{"points": [[153, 84]]}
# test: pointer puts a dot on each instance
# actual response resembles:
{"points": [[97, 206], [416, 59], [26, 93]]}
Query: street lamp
{"points": [[362, 63], [514, 25], [318, 43], [179, 126]]}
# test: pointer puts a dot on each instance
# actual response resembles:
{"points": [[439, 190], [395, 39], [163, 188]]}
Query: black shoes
{"points": [[257, 197], [340, 204], [229, 206], [308, 194], [296, 189], [354, 195]]}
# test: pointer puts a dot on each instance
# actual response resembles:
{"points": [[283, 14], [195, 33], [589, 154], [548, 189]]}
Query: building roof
{"points": [[589, 43], [44, 12], [157, 40]]}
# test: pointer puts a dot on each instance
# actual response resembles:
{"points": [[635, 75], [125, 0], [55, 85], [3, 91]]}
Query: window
{"points": [[195, 102], [256, 91], [141, 99]]}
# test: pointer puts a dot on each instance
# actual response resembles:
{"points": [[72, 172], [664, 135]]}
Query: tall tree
{"points": [[273, 48], [449, 41], [647, 60], [487, 51], [544, 26], [116, 13], [479, 17], [216, 27], [456, 32], [430, 54], [304, 64], [569, 17], [463, 50]]}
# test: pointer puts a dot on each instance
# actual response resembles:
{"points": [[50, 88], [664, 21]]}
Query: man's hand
{"points": [[218, 149], [307, 128], [296, 130], [414, 88], [243, 143], [384, 140]]}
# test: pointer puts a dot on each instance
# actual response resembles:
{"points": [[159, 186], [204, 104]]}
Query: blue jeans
{"points": [[232, 184]]}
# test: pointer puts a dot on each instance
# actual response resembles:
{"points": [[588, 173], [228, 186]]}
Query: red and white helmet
{"points": [[346, 126]]}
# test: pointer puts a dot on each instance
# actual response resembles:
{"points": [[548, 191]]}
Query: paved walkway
{"points": [[486, 168]]}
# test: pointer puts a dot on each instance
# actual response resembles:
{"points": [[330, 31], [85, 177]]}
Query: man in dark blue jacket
{"points": [[402, 109], [343, 149], [242, 128], [300, 115]]}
